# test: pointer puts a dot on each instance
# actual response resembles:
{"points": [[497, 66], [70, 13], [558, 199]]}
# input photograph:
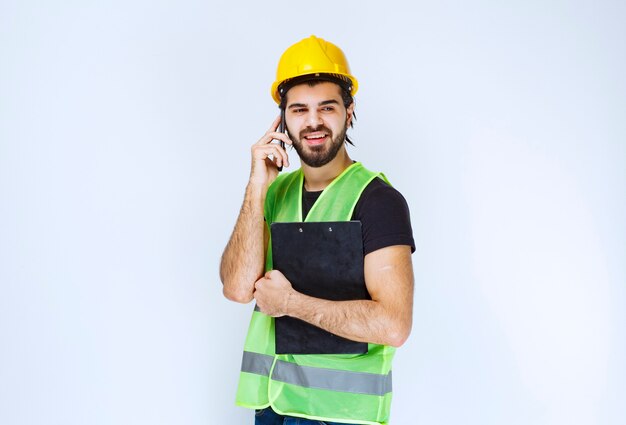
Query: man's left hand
{"points": [[272, 293]]}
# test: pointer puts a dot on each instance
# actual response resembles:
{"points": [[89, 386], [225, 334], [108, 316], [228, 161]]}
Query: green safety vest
{"points": [[349, 388]]}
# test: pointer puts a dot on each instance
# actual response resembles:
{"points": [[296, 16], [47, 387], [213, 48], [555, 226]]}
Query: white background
{"points": [[125, 129]]}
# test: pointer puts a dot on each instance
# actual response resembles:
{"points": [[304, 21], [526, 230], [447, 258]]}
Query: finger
{"points": [[281, 158], [275, 124], [281, 154], [270, 136], [263, 152], [280, 136], [285, 139], [257, 284]]}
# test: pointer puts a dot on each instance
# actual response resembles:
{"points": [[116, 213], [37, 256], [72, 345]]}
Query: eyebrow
{"points": [[303, 105]]}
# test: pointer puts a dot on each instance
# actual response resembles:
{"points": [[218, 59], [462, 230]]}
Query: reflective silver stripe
{"points": [[332, 379], [259, 364]]}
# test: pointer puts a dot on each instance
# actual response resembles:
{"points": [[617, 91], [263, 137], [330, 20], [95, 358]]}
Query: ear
{"points": [[349, 111]]}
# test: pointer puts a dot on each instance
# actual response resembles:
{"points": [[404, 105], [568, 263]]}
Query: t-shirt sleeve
{"points": [[384, 216]]}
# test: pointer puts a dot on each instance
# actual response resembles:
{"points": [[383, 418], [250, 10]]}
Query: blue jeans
{"points": [[268, 417]]}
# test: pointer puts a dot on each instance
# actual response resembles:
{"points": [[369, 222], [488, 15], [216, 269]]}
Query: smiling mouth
{"points": [[316, 138]]}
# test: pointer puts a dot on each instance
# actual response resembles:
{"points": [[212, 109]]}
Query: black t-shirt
{"points": [[383, 213]]}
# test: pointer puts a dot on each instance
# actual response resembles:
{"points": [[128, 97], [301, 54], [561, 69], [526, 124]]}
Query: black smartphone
{"points": [[281, 129]]}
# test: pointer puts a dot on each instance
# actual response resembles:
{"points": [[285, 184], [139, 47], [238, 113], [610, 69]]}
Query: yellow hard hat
{"points": [[312, 56]]}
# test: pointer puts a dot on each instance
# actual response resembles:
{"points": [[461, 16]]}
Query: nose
{"points": [[313, 118]]}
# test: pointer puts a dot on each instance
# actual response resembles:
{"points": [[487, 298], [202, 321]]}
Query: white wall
{"points": [[124, 146]]}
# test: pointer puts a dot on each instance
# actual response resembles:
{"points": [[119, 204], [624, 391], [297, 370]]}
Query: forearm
{"points": [[385, 319], [244, 257], [357, 320]]}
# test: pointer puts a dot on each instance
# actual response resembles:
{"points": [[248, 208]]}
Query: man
{"points": [[315, 89]]}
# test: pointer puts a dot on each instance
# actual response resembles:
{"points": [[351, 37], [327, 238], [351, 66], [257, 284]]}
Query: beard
{"points": [[319, 155]]}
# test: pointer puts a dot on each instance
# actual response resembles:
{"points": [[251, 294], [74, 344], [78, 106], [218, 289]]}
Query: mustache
{"points": [[321, 128]]}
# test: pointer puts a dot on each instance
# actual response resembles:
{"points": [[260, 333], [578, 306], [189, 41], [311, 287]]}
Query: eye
{"points": [[328, 109], [298, 110]]}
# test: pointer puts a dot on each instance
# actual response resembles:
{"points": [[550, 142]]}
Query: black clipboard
{"points": [[323, 260]]}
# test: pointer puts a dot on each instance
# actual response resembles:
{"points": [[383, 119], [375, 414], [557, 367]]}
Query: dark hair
{"points": [[344, 84]]}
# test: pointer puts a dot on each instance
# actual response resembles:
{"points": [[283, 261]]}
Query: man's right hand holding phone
{"points": [[267, 157]]}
